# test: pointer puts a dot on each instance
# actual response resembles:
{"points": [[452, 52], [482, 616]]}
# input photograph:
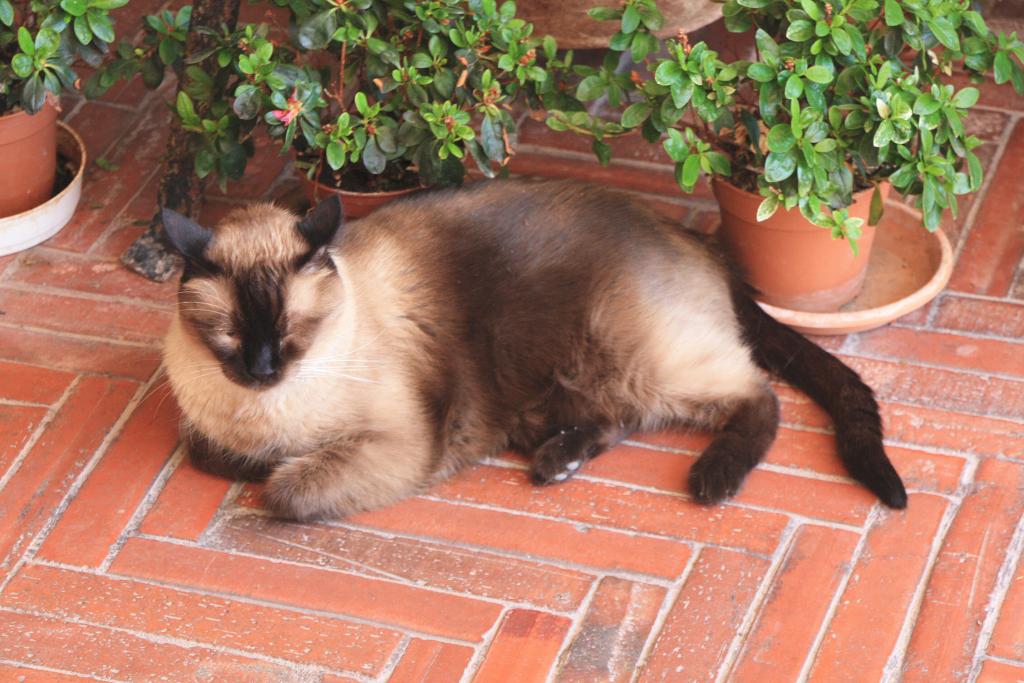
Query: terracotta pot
{"points": [[568, 23], [356, 204], [28, 158], [28, 228], [789, 260]]}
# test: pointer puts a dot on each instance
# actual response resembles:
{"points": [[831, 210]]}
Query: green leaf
{"points": [[942, 29], [21, 64], [33, 94], [768, 207], [875, 214], [794, 87], [691, 171], [590, 88], [186, 110], [6, 12], [635, 114], [602, 150], [335, 155], [893, 16], [974, 170], [101, 26], [800, 30], [668, 73], [719, 163], [650, 16], [630, 19], [82, 30], [966, 98], [761, 73], [826, 145], [1002, 66], [373, 158], [819, 74], [842, 40], [769, 49], [926, 104], [812, 9], [778, 167], [604, 13], [780, 138], [25, 41], [75, 8], [316, 31], [883, 135], [676, 148]]}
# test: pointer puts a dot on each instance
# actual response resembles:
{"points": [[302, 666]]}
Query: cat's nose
{"points": [[262, 366]]}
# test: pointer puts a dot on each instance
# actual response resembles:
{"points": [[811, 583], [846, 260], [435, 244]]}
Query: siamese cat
{"points": [[351, 364]]}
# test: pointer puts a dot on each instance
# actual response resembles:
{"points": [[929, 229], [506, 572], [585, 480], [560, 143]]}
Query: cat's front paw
{"points": [[298, 490], [716, 476]]}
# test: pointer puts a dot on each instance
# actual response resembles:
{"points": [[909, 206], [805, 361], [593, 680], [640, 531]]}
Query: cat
{"points": [[351, 364]]}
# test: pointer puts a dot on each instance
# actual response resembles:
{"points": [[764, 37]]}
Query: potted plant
{"points": [[40, 41], [374, 97], [844, 99]]}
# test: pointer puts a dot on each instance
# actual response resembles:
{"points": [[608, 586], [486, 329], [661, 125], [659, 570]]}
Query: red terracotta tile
{"points": [[78, 354], [668, 471], [957, 598], [16, 426], [186, 505], [1000, 672], [425, 564], [46, 474], [99, 318], [705, 617], [531, 536], [948, 350], [95, 651], [943, 429], [987, 262], [329, 591], [427, 661], [68, 271], [941, 388], [612, 634], [524, 649], [615, 506], [109, 497], [777, 646], [100, 125], [32, 384], [254, 629], [22, 674], [874, 605], [997, 318], [816, 452]]}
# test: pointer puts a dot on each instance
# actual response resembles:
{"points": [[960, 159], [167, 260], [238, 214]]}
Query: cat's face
{"points": [[256, 290]]}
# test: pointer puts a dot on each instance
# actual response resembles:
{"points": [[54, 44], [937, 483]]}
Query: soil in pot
{"points": [[362, 192], [789, 260], [28, 158]]}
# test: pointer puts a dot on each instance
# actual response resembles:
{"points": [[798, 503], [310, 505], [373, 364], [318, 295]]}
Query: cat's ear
{"points": [[322, 223], [185, 235]]}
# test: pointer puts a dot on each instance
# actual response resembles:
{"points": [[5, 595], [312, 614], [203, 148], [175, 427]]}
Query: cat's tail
{"points": [[835, 387]]}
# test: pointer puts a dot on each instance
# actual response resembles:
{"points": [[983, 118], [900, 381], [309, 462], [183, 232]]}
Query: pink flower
{"points": [[286, 116]]}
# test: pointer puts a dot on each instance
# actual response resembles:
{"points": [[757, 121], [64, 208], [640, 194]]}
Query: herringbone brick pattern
{"points": [[118, 561]]}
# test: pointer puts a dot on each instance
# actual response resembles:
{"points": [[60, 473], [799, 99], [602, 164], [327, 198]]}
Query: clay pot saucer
{"points": [[908, 268]]}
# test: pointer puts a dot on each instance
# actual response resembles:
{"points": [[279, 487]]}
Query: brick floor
{"points": [[118, 561]]}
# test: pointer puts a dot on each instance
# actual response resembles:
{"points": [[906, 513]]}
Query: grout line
{"points": [[38, 432], [952, 332], [1004, 578], [893, 670], [917, 363], [498, 552], [35, 666], [144, 506], [837, 597], [979, 196], [757, 603], [574, 630], [304, 672], [481, 649], [394, 659], [155, 344], [112, 434], [249, 600], [667, 603], [152, 304]]}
